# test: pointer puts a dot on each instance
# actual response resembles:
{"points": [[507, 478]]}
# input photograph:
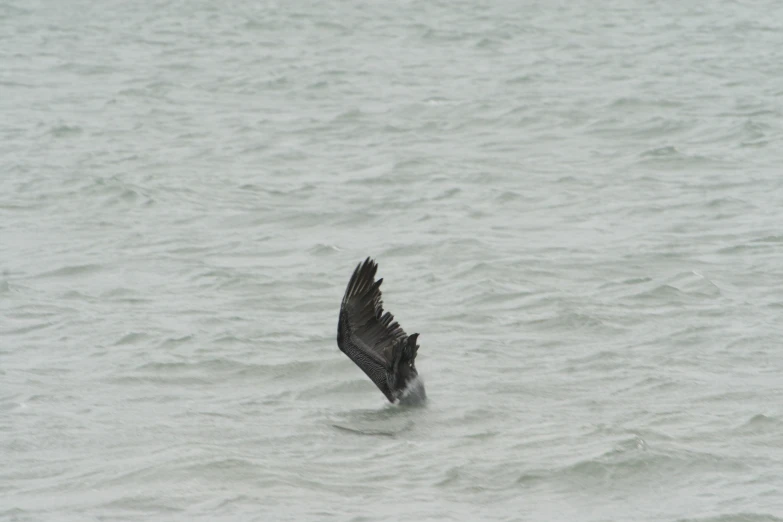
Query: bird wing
{"points": [[371, 338]]}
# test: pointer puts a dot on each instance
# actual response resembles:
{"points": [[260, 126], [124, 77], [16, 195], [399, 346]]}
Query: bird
{"points": [[375, 342]]}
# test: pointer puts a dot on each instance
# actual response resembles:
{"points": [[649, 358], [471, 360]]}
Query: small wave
{"points": [[351, 115], [438, 101], [473, 270], [634, 462], [599, 356], [230, 339], [322, 249], [680, 288], [509, 196], [761, 424], [673, 157], [16, 514], [522, 79], [573, 320], [175, 341], [622, 286], [200, 372], [228, 466], [769, 239], [21, 330], [445, 36], [502, 297], [736, 517], [131, 338], [643, 103], [72, 270], [62, 131], [661, 152], [114, 191], [318, 85], [172, 367], [448, 194], [142, 503], [294, 369], [387, 422], [488, 43], [366, 431], [118, 293], [660, 127], [730, 203], [76, 296], [344, 387], [406, 251]]}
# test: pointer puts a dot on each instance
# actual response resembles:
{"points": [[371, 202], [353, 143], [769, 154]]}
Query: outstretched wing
{"points": [[367, 335]]}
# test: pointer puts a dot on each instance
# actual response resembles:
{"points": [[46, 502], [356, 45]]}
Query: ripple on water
{"points": [[735, 517], [635, 464]]}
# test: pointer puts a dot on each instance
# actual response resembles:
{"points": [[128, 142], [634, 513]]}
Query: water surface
{"points": [[578, 206]]}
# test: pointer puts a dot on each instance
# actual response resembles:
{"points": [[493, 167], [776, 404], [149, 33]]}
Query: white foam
{"points": [[413, 393]]}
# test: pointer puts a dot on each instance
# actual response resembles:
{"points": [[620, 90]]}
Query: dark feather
{"points": [[372, 339]]}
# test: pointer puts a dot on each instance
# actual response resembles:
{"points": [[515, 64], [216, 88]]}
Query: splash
{"points": [[413, 394]]}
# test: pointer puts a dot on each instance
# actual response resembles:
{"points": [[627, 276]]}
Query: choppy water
{"points": [[579, 207]]}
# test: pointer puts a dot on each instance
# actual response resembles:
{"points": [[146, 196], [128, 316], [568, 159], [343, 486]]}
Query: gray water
{"points": [[579, 207]]}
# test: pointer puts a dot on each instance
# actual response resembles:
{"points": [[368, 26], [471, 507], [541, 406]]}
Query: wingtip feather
{"points": [[362, 279]]}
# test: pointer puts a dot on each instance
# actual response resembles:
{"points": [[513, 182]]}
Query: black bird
{"points": [[375, 342]]}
